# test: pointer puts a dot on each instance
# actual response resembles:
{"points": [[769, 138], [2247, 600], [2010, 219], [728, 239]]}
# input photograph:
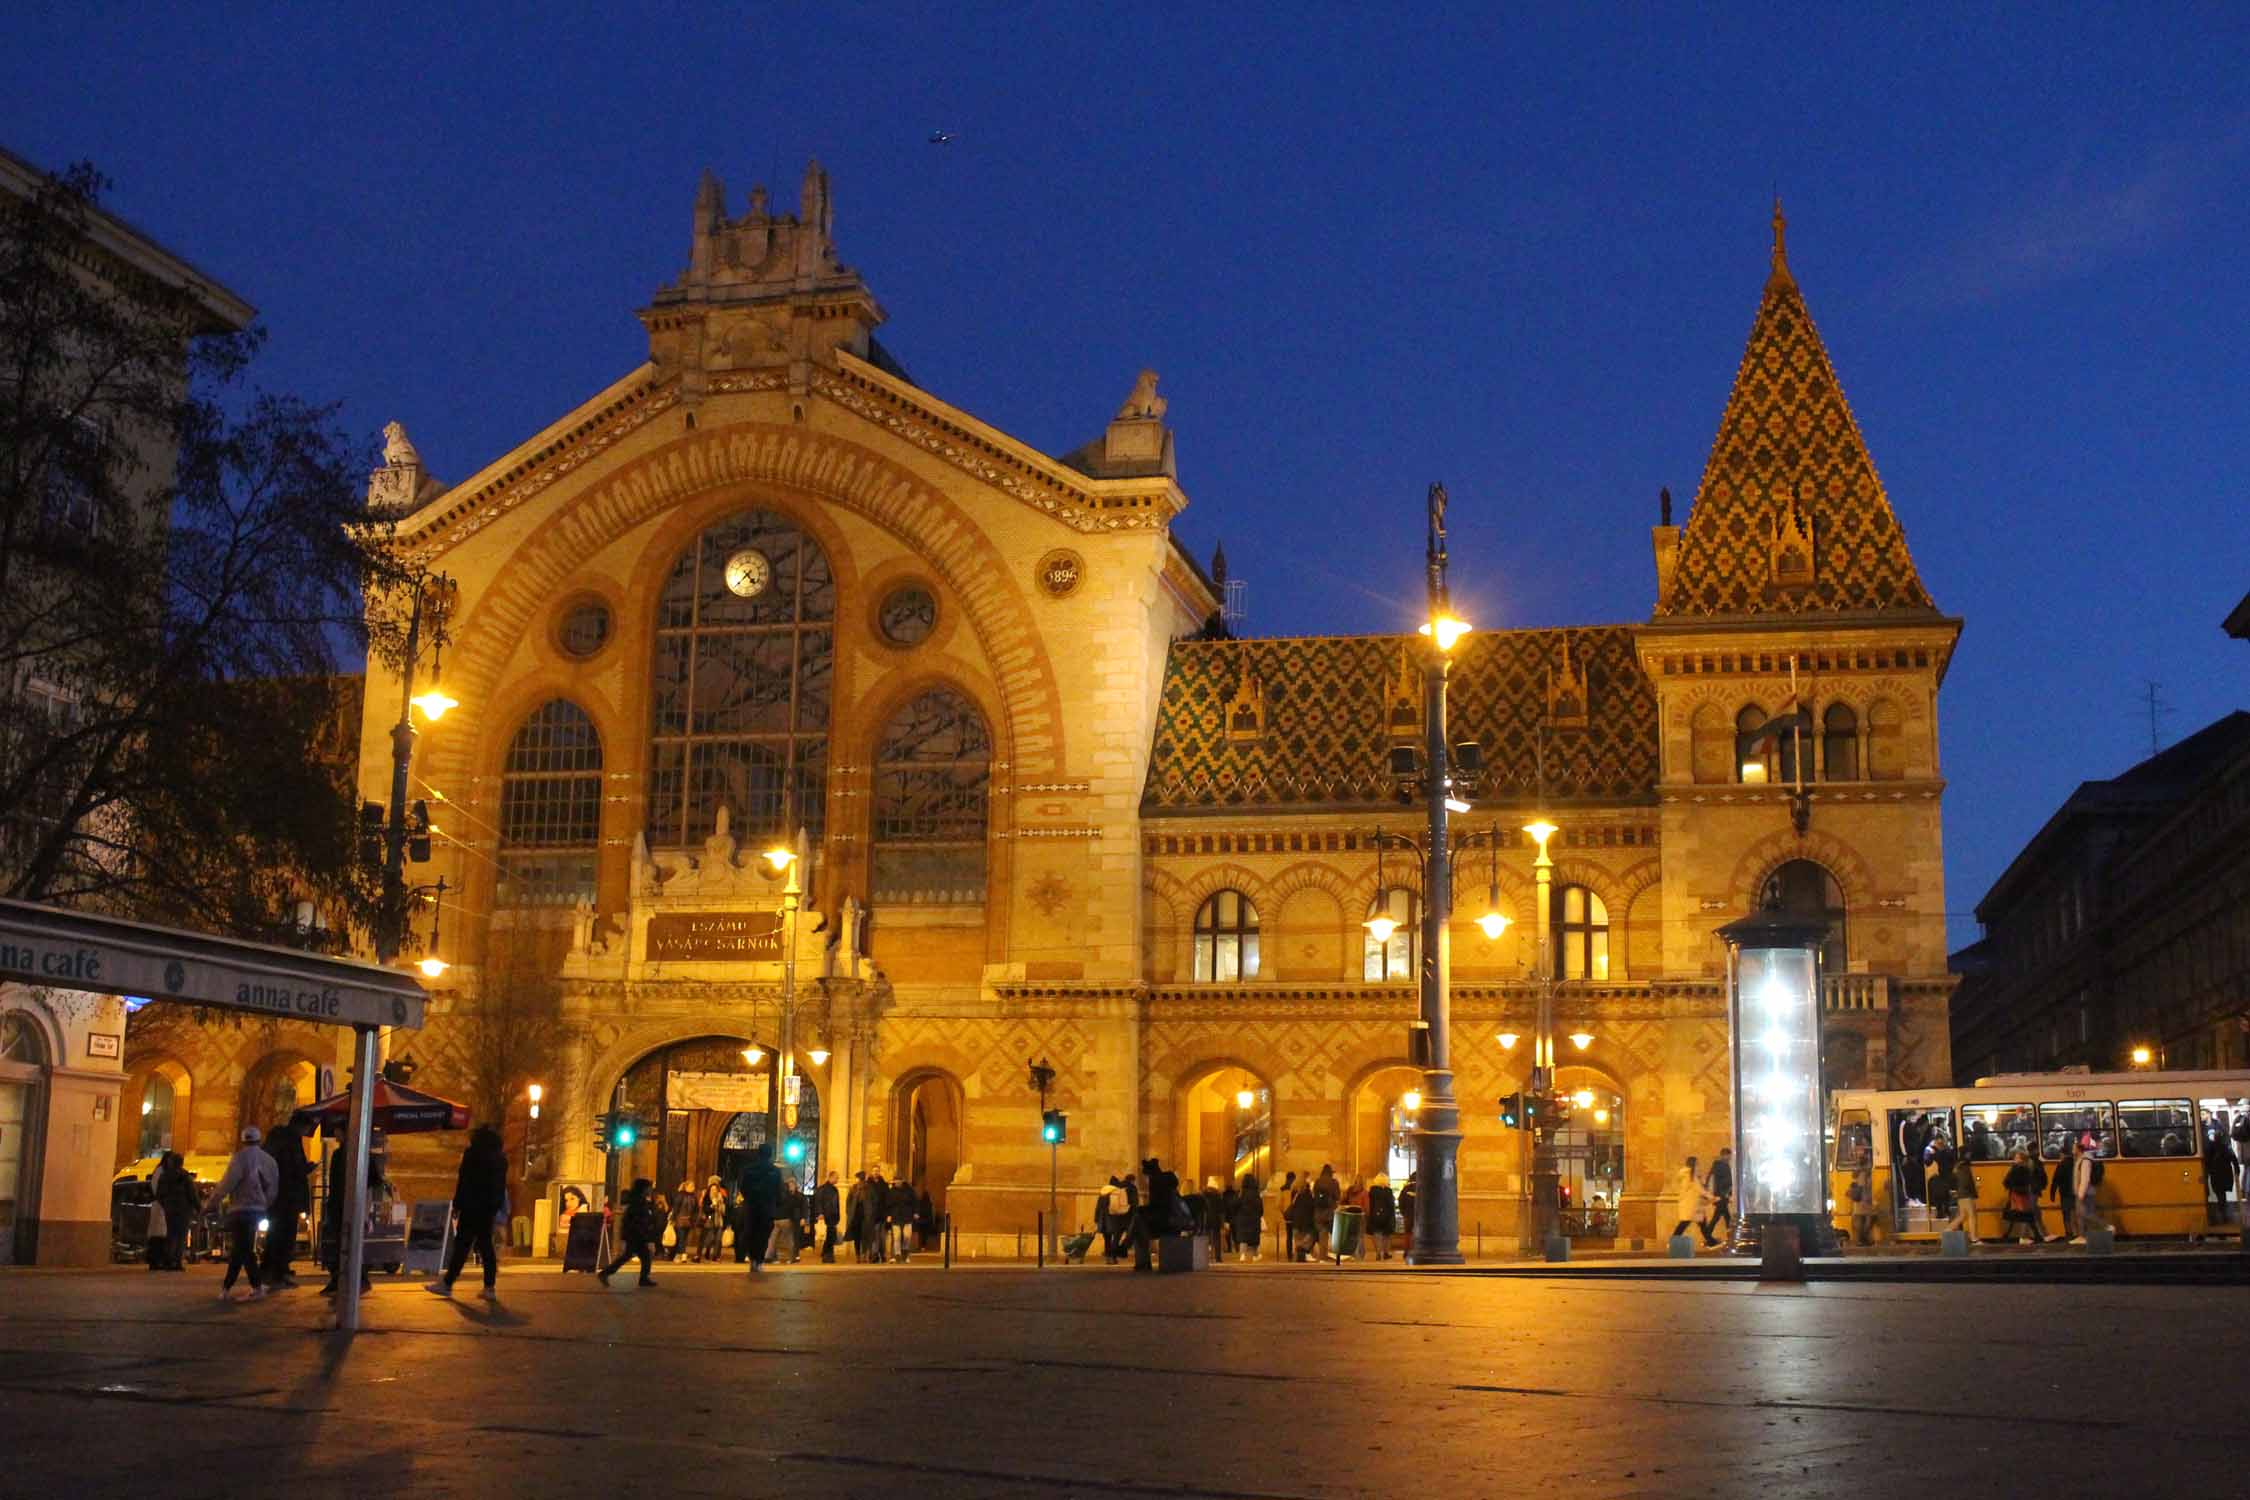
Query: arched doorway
{"points": [[699, 1108], [1809, 890], [277, 1086], [1384, 1109], [24, 1059], [1222, 1126], [1589, 1152], [926, 1132], [161, 1120]]}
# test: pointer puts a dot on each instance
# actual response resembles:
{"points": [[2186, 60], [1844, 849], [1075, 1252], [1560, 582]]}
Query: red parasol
{"points": [[397, 1108]]}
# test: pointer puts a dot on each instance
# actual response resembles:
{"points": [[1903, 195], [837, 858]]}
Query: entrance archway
{"points": [[700, 1107], [926, 1132], [1382, 1123], [1222, 1126], [162, 1118], [276, 1087], [1590, 1152], [26, 1053]]}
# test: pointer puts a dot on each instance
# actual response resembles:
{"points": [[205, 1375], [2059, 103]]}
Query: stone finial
{"points": [[1219, 566], [1664, 506], [1780, 240]]}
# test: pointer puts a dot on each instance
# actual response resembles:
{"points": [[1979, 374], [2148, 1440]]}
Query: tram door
{"points": [[1916, 1196]]}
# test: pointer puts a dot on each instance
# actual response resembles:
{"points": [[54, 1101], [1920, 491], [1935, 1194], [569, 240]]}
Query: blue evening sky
{"points": [[1367, 246]]}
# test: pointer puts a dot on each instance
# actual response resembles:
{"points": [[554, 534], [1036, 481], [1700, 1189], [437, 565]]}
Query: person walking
{"points": [[2021, 1186], [873, 1221], [286, 1145], [2219, 1166], [480, 1196], [1382, 1215], [1283, 1196], [1160, 1214], [686, 1206], [248, 1186], [2064, 1196], [1690, 1198], [1114, 1220], [898, 1209], [1327, 1194], [1861, 1195], [711, 1219], [637, 1229], [760, 1200], [332, 1210], [1302, 1218], [1721, 1186], [2086, 1181], [828, 1207], [1964, 1187], [1248, 1223], [174, 1190], [1409, 1198], [787, 1215]]}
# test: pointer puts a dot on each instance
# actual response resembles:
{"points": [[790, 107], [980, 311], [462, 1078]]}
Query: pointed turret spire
{"points": [[1791, 516]]}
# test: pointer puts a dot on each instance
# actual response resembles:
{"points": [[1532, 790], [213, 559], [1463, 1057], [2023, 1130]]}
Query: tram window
{"points": [[2060, 1122], [1995, 1132], [2157, 1127], [1855, 1140]]}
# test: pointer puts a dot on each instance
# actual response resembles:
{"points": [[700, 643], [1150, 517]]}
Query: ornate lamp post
{"points": [[787, 860]]}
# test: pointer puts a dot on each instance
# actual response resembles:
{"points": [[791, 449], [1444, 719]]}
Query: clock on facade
{"points": [[748, 573]]}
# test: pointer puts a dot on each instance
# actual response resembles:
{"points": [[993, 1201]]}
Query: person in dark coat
{"points": [[1299, 1219], [173, 1187], [286, 1145], [2059, 1189], [1248, 1219], [899, 1204], [1327, 1193], [638, 1229], [1408, 1197], [685, 1215], [332, 1212], [828, 1208], [1382, 1215], [873, 1208], [1159, 1215], [761, 1201], [2219, 1166], [480, 1195]]}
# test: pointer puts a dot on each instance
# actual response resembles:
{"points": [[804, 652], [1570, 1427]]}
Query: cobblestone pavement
{"points": [[913, 1381]]}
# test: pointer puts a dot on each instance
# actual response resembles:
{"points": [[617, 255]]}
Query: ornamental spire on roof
{"points": [[1791, 517]]}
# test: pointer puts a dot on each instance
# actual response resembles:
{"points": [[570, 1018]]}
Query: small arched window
{"points": [[1226, 937], [157, 1101], [1581, 927], [933, 775], [1396, 956], [550, 808], [1751, 765], [1839, 743]]}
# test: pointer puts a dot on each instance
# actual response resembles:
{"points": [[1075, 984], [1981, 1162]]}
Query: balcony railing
{"points": [[1855, 992]]}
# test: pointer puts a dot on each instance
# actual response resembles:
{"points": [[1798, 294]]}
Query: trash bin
{"points": [[1344, 1234]]}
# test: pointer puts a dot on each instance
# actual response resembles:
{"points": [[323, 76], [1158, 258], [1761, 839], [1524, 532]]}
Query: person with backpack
{"points": [[637, 1229], [480, 1194]]}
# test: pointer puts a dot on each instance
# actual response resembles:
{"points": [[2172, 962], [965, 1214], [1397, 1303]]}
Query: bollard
{"points": [[947, 1240], [1953, 1242], [1780, 1257], [1681, 1247], [1480, 1239], [1019, 1244], [2101, 1241], [1042, 1226]]}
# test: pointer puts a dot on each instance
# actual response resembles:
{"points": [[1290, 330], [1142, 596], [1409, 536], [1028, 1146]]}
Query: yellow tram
{"points": [[2149, 1127]]}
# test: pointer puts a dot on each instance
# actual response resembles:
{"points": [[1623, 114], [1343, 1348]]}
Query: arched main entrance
{"points": [[926, 1132], [276, 1087], [1382, 1124], [701, 1109], [1589, 1152], [1222, 1126], [25, 1056]]}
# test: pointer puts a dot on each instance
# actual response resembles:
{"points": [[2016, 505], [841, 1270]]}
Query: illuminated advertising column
{"points": [[1773, 1023]]}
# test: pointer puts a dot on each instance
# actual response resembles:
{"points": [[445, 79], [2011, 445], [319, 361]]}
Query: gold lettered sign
{"points": [[714, 936]]}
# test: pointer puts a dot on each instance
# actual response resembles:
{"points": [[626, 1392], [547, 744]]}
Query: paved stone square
{"points": [[900, 1381]]}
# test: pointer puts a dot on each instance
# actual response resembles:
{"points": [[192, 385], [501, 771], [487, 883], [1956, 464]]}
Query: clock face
{"points": [[748, 573]]}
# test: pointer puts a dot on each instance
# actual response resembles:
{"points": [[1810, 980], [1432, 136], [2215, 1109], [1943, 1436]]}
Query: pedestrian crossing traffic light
{"points": [[793, 1150], [1511, 1110], [616, 1131], [1054, 1127], [601, 1132]]}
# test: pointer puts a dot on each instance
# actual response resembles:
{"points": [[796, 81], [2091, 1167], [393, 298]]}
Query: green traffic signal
{"points": [[625, 1132], [1054, 1127], [792, 1150]]}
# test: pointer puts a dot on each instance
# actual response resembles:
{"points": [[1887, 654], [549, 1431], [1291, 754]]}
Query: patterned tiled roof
{"points": [[1305, 723], [1788, 434]]}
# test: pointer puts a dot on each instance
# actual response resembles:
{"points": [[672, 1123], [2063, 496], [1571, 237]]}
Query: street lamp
{"points": [[818, 1056], [1542, 1181], [1582, 1039], [536, 1093], [2143, 1056], [1508, 1040], [781, 1086]]}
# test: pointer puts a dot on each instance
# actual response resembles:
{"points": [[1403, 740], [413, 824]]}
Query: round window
{"points": [[585, 628], [908, 615]]}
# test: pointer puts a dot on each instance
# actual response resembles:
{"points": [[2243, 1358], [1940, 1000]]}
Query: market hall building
{"points": [[765, 579]]}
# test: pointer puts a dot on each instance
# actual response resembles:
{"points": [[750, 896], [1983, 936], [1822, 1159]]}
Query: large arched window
{"points": [[1226, 937], [933, 776], [1581, 927], [1751, 765], [550, 809], [1808, 890], [745, 667], [1396, 957], [1839, 743]]}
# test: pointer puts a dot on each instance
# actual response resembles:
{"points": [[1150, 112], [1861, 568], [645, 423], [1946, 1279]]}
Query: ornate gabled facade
{"points": [[765, 580]]}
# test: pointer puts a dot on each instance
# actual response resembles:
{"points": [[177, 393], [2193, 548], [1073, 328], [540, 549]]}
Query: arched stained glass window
{"points": [[550, 809], [932, 783], [743, 676]]}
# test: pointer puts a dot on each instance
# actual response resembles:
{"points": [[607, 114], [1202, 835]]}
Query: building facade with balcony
{"points": [[1053, 812]]}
